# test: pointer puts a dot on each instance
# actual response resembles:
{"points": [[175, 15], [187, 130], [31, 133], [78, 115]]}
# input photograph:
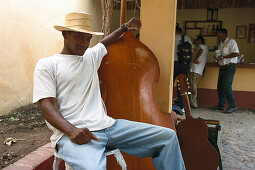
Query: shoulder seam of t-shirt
{"points": [[46, 60]]}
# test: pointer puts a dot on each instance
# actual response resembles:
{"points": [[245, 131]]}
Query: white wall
{"points": [[27, 34]]}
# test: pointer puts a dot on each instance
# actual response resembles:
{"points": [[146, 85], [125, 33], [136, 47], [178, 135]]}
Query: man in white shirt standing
{"points": [[82, 130], [227, 60], [197, 68]]}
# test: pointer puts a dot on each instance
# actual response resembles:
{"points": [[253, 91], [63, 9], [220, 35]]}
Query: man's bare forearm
{"points": [[232, 55], [199, 54], [54, 117], [113, 37]]}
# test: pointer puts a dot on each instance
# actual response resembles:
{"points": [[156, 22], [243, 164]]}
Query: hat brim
{"points": [[62, 28]]}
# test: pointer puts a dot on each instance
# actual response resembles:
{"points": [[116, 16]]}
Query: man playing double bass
{"points": [[82, 130]]}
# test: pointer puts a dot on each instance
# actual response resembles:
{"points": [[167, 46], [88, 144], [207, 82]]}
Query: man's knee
{"points": [[226, 88], [168, 134]]}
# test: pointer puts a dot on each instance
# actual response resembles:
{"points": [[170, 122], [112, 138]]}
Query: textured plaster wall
{"points": [[26, 35]]}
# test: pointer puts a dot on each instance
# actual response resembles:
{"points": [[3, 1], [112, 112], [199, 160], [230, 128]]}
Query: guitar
{"points": [[197, 152]]}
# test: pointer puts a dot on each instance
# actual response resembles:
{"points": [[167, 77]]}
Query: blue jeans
{"points": [[224, 85], [134, 138]]}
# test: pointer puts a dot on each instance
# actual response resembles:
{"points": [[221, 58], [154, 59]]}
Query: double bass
{"points": [[127, 76]]}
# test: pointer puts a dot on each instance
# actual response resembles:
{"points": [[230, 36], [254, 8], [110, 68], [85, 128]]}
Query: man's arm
{"points": [[232, 55], [200, 52], [189, 40], [234, 50], [56, 119], [131, 25]]}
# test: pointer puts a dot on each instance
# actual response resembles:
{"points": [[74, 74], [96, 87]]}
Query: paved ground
{"points": [[237, 137]]}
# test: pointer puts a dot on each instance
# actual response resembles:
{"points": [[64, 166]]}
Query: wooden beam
{"points": [[123, 12]]}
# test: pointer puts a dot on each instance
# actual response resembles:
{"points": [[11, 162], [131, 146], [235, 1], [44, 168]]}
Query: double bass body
{"points": [[127, 75]]}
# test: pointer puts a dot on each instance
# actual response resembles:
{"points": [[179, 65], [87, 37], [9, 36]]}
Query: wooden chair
{"points": [[117, 154]]}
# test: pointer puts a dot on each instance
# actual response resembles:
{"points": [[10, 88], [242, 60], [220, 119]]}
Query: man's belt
{"points": [[229, 64]]}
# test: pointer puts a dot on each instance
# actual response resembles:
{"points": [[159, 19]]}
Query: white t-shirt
{"points": [[178, 38], [73, 81], [227, 47], [199, 68]]}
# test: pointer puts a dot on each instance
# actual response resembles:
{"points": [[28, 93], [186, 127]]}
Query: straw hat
{"points": [[78, 22]]}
